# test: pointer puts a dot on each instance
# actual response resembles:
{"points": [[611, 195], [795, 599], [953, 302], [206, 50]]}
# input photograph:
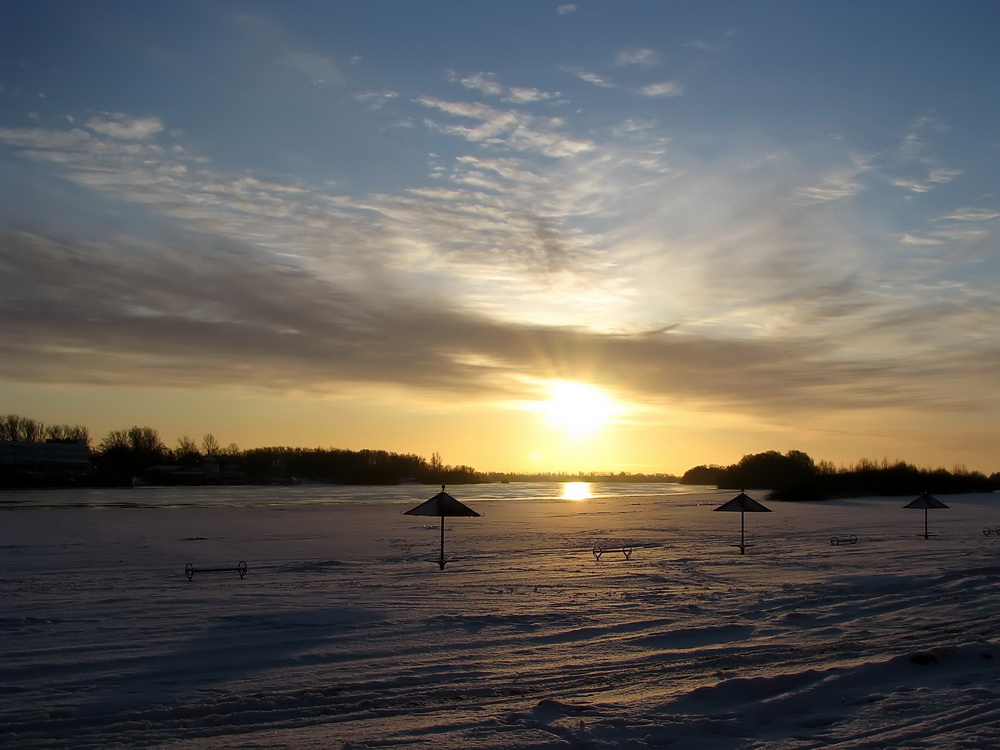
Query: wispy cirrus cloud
{"points": [[375, 99], [525, 95], [972, 214], [912, 239], [911, 165], [712, 44], [961, 228], [490, 85], [642, 56], [925, 183], [317, 69], [505, 259], [650, 90], [589, 76], [513, 129], [486, 83], [270, 43], [663, 88], [300, 222], [840, 182], [125, 127]]}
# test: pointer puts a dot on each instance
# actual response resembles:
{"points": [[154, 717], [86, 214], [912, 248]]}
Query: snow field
{"points": [[344, 635]]}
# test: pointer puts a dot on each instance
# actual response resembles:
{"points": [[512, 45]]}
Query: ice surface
{"points": [[343, 635]]}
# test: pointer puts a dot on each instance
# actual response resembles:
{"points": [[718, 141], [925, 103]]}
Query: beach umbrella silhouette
{"points": [[744, 504], [442, 504], [925, 501]]}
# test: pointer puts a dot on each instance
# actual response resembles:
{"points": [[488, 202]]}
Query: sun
{"points": [[577, 408]]}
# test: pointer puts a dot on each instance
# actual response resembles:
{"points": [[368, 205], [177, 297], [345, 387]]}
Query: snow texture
{"points": [[343, 635]]}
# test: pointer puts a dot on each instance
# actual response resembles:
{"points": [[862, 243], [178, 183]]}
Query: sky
{"points": [[600, 236]]}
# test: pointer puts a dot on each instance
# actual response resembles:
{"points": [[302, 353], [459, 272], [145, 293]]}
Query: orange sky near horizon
{"points": [[516, 438]]}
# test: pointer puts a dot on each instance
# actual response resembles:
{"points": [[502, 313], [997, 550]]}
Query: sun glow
{"points": [[578, 408], [576, 491]]}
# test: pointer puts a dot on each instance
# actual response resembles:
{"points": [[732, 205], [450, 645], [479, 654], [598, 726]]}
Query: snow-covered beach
{"points": [[342, 634]]}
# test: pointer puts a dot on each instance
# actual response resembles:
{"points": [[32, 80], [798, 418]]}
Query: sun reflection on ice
{"points": [[576, 491]]}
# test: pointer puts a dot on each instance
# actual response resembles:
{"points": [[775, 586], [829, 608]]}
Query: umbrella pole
{"points": [[743, 545], [926, 535], [441, 561]]}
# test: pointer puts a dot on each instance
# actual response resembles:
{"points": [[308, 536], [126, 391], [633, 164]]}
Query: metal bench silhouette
{"points": [[190, 570], [624, 549], [987, 531], [836, 541]]}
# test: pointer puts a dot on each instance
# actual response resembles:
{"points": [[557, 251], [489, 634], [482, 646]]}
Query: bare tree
{"points": [[34, 431], [146, 441], [116, 440], [17, 428], [68, 432], [79, 432], [140, 441], [133, 450], [186, 450], [10, 427], [210, 446]]}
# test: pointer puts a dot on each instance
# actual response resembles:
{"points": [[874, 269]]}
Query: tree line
{"points": [[17, 428], [795, 476], [140, 452]]}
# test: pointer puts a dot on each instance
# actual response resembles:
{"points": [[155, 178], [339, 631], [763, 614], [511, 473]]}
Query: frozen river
{"points": [[342, 634]]}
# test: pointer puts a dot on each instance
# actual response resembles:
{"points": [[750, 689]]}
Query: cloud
{"points": [[590, 77], [490, 85], [124, 127], [566, 9], [504, 265], [269, 42], [518, 95], [664, 88], [972, 214], [701, 45], [486, 83], [910, 239], [652, 90], [840, 182], [964, 230], [642, 56], [375, 99], [911, 165], [717, 44], [925, 184], [908, 165], [216, 317], [510, 128], [317, 69]]}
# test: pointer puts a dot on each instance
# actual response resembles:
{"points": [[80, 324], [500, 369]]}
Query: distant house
{"points": [[54, 458], [207, 472]]}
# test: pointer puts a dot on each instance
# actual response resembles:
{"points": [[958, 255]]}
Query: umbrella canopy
{"points": [[744, 504], [925, 501], [442, 504]]}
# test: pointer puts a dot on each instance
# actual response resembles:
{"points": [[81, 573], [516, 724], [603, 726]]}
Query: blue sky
{"points": [[755, 225]]}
